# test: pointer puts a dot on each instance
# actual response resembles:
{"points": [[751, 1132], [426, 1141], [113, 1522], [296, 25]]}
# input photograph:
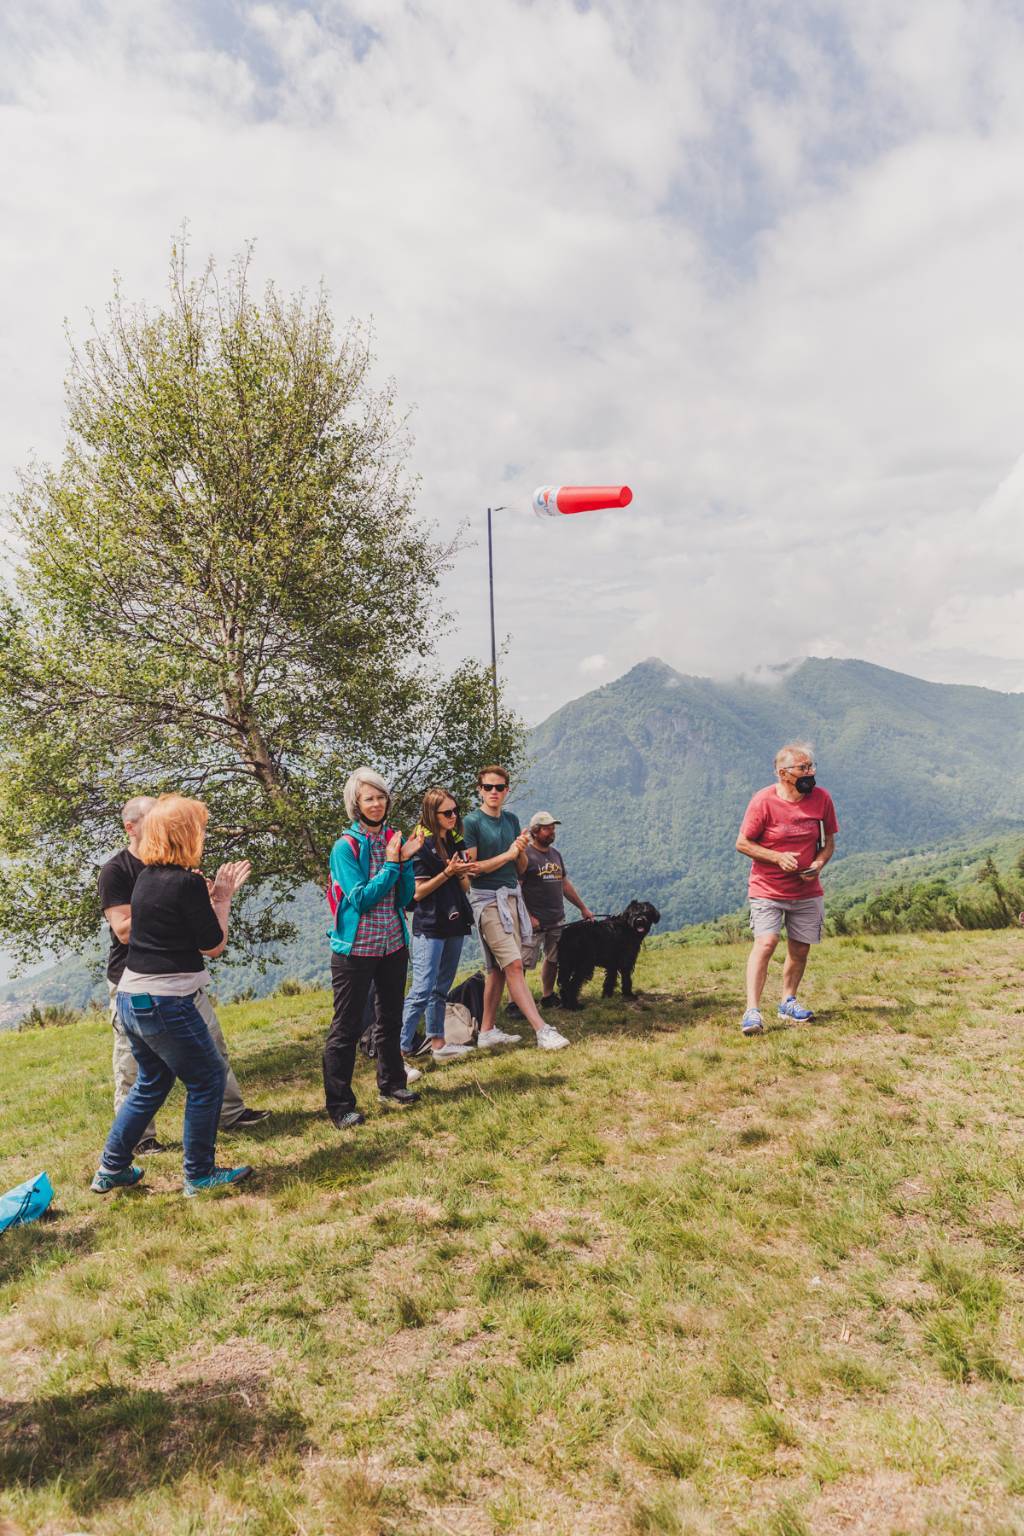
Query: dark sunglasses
{"points": [[494, 788], [453, 812]]}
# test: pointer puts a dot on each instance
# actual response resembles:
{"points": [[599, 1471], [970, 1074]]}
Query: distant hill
{"points": [[650, 775]]}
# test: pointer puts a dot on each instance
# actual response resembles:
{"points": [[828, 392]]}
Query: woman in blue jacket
{"points": [[372, 885]]}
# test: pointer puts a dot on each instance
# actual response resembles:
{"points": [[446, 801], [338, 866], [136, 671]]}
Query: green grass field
{"points": [[668, 1281]]}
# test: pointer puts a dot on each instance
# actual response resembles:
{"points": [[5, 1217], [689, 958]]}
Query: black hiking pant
{"points": [[351, 977]]}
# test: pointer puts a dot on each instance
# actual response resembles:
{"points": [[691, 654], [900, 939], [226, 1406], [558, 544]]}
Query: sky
{"points": [[761, 261]]}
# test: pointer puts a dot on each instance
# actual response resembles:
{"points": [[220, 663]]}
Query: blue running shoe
{"points": [[753, 1024], [215, 1179], [789, 1008], [103, 1182]]}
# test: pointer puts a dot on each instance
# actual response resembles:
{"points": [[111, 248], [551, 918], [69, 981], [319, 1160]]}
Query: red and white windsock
{"points": [[559, 500]]}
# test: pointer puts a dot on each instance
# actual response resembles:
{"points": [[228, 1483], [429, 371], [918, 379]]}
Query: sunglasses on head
{"points": [[492, 789]]}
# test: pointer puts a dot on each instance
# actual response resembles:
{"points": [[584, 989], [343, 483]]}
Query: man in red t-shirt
{"points": [[789, 834]]}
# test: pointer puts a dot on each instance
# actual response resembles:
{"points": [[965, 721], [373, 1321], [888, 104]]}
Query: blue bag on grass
{"points": [[25, 1203]]}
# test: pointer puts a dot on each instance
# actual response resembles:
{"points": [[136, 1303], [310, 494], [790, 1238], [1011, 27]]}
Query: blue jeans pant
{"points": [[169, 1040], [434, 963]]}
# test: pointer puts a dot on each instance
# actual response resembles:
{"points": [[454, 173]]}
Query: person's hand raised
{"points": [[412, 846], [229, 879], [454, 867], [393, 851], [521, 842]]}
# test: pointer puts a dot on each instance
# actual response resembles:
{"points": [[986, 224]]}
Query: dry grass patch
{"points": [[671, 1281]]}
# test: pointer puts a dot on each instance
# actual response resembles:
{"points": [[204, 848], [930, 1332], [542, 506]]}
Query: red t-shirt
{"points": [[786, 826]]}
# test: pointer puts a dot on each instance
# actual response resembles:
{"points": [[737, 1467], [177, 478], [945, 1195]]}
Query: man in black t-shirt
{"points": [[117, 880]]}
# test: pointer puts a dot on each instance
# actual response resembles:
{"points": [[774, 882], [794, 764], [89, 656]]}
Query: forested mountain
{"points": [[650, 775]]}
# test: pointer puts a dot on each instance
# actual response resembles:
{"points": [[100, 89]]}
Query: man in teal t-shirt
{"points": [[496, 851]]}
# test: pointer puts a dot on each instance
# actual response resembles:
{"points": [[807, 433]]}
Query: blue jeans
{"points": [[169, 1040], [434, 963]]}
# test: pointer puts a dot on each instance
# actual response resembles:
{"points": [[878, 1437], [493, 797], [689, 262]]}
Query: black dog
{"points": [[610, 943]]}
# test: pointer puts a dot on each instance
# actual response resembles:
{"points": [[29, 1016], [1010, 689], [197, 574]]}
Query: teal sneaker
{"points": [[103, 1182], [753, 1024], [215, 1179], [789, 1008]]}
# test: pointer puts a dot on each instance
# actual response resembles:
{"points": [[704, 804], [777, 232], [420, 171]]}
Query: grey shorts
{"points": [[804, 920], [542, 939]]}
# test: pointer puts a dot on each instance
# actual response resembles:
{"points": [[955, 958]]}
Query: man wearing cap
{"points": [[545, 886]]}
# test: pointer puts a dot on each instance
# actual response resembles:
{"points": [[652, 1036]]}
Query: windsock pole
{"points": [[494, 647], [549, 501]]}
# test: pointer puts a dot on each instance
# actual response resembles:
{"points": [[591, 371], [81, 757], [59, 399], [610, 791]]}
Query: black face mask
{"points": [[805, 783], [368, 823]]}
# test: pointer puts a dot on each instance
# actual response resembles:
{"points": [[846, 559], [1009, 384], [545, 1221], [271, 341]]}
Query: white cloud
{"points": [[591, 665], [767, 273]]}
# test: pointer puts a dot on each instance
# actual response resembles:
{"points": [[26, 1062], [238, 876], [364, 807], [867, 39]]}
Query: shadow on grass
{"points": [[111, 1442], [43, 1245], [495, 1088], [298, 1060], [348, 1160], [386, 1138], [650, 1013]]}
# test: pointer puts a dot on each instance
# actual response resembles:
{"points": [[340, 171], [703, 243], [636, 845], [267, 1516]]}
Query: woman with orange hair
{"points": [[178, 918]]}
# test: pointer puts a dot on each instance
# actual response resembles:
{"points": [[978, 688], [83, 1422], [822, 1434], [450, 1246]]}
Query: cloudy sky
{"points": [[761, 260]]}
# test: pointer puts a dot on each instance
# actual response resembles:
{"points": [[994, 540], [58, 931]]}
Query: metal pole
{"points": [[490, 584]]}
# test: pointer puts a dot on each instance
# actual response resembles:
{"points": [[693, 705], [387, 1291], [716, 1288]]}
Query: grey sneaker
{"points": [[495, 1036], [752, 1024], [348, 1119], [216, 1179], [398, 1098], [549, 1039], [103, 1182], [451, 1052]]}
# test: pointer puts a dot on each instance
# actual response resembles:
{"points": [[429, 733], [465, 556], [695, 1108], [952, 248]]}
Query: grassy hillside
{"points": [[669, 1281]]}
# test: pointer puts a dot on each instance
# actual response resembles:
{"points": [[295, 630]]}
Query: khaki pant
{"points": [[126, 1067]]}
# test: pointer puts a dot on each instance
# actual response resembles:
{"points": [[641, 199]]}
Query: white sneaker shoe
{"points": [[549, 1039], [496, 1036], [412, 1075], [450, 1052]]}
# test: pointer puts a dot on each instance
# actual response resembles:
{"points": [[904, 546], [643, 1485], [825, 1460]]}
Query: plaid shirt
{"points": [[380, 930]]}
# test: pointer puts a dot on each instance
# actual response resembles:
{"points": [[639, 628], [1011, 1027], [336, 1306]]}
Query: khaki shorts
{"points": [[500, 947], [804, 920], [542, 939]]}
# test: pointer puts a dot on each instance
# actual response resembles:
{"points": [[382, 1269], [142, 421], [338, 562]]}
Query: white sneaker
{"points": [[412, 1075], [549, 1039], [495, 1036], [450, 1052]]}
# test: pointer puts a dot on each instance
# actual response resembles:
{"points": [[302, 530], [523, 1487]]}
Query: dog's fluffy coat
{"points": [[611, 944]]}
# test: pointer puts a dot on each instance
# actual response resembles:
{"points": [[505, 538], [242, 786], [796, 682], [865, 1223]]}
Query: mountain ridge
{"points": [[650, 773]]}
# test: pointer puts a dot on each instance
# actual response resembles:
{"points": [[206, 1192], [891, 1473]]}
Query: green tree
{"points": [[222, 589]]}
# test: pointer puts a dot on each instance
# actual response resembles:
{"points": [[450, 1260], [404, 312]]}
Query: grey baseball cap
{"points": [[543, 819]]}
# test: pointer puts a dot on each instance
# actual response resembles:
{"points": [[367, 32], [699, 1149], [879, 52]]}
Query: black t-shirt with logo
{"points": [[542, 885], [117, 882], [172, 920]]}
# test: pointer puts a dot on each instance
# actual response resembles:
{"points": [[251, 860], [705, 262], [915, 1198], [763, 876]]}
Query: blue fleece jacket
{"points": [[356, 893]]}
